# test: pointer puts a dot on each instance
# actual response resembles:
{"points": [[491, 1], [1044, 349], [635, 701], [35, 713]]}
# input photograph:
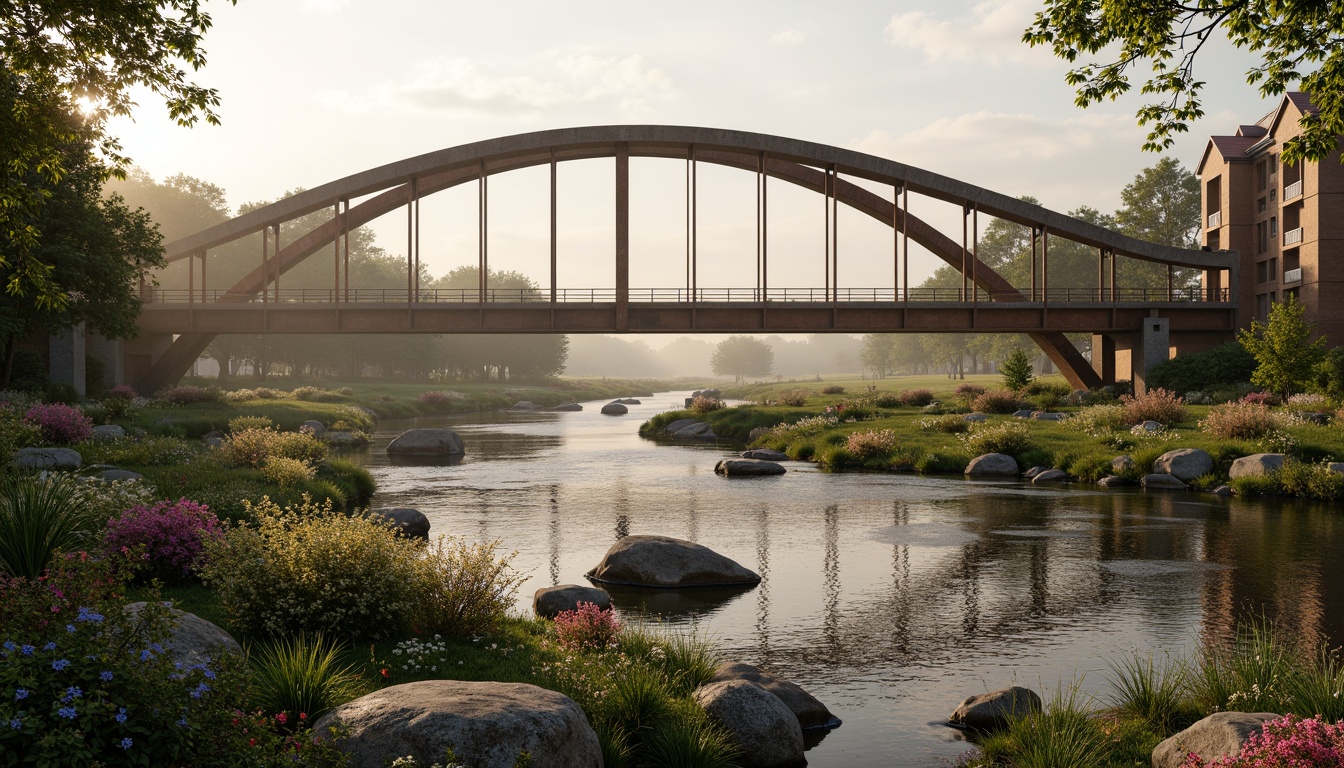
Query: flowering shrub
{"points": [[887, 399], [463, 589], [871, 443], [121, 392], [968, 392], [1157, 404], [996, 401], [1260, 398], [306, 393], [252, 447], [15, 431], [1008, 437], [952, 424], [310, 568], [440, 398], [240, 423], [1308, 402], [1240, 421], [805, 426], [187, 394], [239, 396], [587, 627], [793, 397], [60, 424], [1097, 420], [917, 398], [1287, 742], [171, 533], [103, 500], [348, 392], [286, 472], [702, 405], [834, 389]]}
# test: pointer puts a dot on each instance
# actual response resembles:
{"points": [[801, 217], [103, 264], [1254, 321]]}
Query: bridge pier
{"points": [[65, 358], [111, 353], [1103, 357], [140, 356]]}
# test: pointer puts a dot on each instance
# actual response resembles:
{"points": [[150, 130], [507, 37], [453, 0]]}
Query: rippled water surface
{"points": [[889, 597]]}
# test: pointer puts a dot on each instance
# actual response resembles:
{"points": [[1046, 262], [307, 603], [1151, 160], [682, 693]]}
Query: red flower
{"points": [[282, 718], [383, 671]]}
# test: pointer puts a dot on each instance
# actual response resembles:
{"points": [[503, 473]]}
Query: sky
{"points": [[314, 90]]}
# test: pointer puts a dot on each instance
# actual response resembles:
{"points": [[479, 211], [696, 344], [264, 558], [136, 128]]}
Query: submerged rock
{"points": [[662, 561], [427, 442], [412, 522], [765, 454], [993, 710], [1160, 482], [615, 409], [747, 468]]}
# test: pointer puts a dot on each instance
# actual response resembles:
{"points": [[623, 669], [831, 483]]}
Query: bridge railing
{"points": [[292, 296]]}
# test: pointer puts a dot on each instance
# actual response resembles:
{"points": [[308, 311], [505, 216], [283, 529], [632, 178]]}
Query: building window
{"points": [[1274, 226], [1261, 204], [1261, 238], [1273, 271], [1273, 164]]}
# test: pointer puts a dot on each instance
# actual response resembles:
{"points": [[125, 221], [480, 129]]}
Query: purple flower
{"points": [[173, 534], [121, 715], [105, 675], [68, 713], [20, 694], [16, 723], [59, 664], [60, 423], [126, 743]]}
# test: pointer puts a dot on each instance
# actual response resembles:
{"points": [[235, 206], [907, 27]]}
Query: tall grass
{"points": [[302, 674], [686, 658], [1152, 691], [38, 518], [688, 740], [1250, 675], [1063, 734], [1317, 688]]}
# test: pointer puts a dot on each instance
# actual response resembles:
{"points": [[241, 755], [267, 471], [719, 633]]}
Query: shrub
{"points": [[60, 424], [1287, 741], [441, 398], [239, 396], [834, 389], [996, 401], [121, 392], [348, 392], [1308, 403], [1007, 437], [872, 443], [702, 405], [310, 568], [1240, 421], [1260, 398], [1160, 405], [306, 393], [102, 500], [887, 399], [1220, 367], [287, 472], [463, 589], [917, 398], [301, 677], [15, 432], [1097, 420], [967, 393], [169, 536], [951, 424], [1016, 370], [587, 628], [242, 423], [266, 393], [252, 447], [793, 397], [187, 394], [1310, 481], [38, 518]]}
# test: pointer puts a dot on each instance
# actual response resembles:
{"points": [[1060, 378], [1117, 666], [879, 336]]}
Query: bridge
{"points": [[1133, 327]]}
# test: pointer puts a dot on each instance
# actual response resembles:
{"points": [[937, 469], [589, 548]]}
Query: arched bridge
{"points": [[1120, 318]]}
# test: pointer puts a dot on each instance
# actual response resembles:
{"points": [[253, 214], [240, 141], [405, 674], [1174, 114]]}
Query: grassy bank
{"points": [[919, 424]]}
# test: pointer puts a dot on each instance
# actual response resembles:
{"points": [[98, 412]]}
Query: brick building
{"points": [[1286, 222]]}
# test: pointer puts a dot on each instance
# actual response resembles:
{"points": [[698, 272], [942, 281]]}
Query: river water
{"points": [[889, 597]]}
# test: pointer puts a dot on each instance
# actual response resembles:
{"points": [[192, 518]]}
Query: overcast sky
{"points": [[314, 90]]}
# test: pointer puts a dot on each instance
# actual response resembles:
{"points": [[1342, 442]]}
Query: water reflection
{"points": [[890, 597]]}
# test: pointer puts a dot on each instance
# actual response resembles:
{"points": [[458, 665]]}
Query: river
{"points": [[889, 597]]}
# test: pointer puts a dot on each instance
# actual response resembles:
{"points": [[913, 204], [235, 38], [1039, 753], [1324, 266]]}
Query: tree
{"points": [[739, 356], [56, 54], [1017, 370], [1285, 356], [1161, 205], [876, 354], [1291, 37]]}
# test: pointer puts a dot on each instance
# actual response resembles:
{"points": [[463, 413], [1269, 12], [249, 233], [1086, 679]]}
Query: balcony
{"points": [[1291, 276], [1292, 236], [1215, 219], [1292, 190]]}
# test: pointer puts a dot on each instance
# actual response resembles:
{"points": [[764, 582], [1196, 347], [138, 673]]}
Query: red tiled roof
{"points": [[1234, 147]]}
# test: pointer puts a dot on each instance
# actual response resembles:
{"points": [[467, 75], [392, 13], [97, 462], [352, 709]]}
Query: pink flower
{"points": [[586, 627]]}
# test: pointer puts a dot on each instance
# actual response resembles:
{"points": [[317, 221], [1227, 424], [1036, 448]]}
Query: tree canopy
{"points": [[1285, 355], [1297, 41], [60, 58], [739, 356]]}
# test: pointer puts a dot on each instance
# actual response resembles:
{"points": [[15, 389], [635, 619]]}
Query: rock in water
{"points": [[427, 442], [487, 725], [763, 728], [747, 468], [549, 601], [993, 464], [993, 710], [193, 640], [615, 409], [1051, 476], [810, 712], [568, 407], [1163, 483], [1256, 464], [765, 454], [1221, 734], [1184, 464], [412, 522], [662, 561]]}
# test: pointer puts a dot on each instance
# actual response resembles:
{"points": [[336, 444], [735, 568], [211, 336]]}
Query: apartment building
{"points": [[1286, 222]]}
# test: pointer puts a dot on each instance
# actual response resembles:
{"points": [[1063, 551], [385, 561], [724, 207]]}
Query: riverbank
{"points": [[934, 425]]}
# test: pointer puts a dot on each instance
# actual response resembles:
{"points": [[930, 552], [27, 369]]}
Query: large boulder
{"points": [[116, 474], [341, 439], [487, 725], [1051, 476], [1000, 464], [107, 432], [549, 601], [1256, 464], [628, 401], [313, 425], [615, 409], [568, 407], [993, 710], [747, 468], [765, 454], [762, 727], [47, 458], [810, 712], [1336, 466], [1184, 464], [411, 522], [1122, 464], [1221, 734], [1160, 482], [427, 442], [193, 640], [695, 431], [662, 561]]}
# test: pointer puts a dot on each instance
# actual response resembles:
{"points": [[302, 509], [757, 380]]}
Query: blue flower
{"points": [[126, 743], [86, 614], [59, 664], [105, 675], [27, 650], [121, 715], [145, 655], [20, 694], [68, 713], [49, 647], [72, 692], [16, 723], [9, 645], [182, 723]]}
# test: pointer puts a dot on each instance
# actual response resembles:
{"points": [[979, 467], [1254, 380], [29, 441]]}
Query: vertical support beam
{"points": [[826, 234], [975, 253], [277, 262], [760, 166], [622, 236], [1154, 347], [1101, 273], [835, 234], [905, 237], [1114, 294], [689, 152], [1103, 357], [336, 253], [482, 260], [345, 248], [65, 358], [265, 271], [896, 243], [553, 247], [1170, 280], [765, 230], [695, 230], [964, 234], [204, 295], [410, 240], [191, 282], [1045, 265]]}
